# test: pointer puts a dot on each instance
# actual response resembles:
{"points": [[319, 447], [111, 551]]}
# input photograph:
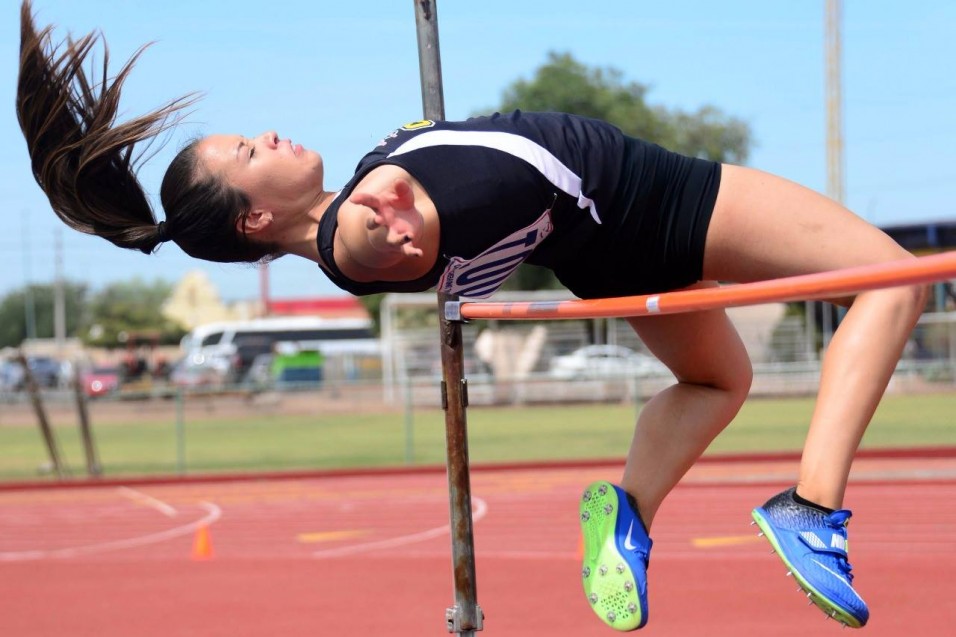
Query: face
{"points": [[274, 173]]}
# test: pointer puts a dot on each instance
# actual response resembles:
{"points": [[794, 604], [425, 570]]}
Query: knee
{"points": [[905, 304], [918, 298], [731, 374], [908, 302], [741, 377]]}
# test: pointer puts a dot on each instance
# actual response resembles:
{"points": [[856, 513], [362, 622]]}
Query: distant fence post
{"points": [[180, 432]]}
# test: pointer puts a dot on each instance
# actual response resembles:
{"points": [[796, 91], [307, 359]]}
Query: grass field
{"points": [[268, 443]]}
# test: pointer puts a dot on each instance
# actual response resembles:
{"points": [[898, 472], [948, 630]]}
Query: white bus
{"points": [[239, 342]]}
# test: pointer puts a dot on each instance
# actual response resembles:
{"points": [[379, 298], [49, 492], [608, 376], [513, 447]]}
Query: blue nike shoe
{"points": [[813, 545], [616, 553]]}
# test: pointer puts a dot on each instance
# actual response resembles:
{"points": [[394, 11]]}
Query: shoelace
{"points": [[838, 521]]}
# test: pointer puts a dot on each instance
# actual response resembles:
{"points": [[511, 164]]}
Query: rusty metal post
{"points": [[465, 617], [33, 389], [93, 467]]}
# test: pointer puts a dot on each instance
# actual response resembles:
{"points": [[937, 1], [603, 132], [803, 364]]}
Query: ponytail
{"points": [[83, 160]]}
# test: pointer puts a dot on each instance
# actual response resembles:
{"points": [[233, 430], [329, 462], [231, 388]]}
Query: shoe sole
{"points": [[818, 599], [609, 584]]}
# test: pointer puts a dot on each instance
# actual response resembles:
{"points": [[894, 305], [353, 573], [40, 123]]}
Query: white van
{"points": [[239, 342]]}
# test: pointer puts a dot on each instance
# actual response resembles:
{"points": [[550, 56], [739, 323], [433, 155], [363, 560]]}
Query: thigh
{"points": [[766, 227], [698, 347]]}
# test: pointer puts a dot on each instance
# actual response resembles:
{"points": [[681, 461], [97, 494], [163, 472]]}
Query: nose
{"points": [[269, 138]]}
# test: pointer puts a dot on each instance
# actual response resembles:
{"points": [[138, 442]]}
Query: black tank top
{"points": [[508, 188]]}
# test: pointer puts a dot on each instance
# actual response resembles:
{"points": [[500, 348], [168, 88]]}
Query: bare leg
{"points": [[676, 426], [766, 227]]}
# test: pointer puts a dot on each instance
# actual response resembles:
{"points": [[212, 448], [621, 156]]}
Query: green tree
{"points": [[124, 309], [14, 314], [565, 85]]}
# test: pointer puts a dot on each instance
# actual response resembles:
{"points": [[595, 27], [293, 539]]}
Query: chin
{"points": [[318, 166]]}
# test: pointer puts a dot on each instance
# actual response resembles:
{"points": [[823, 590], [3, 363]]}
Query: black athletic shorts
{"points": [[652, 239]]}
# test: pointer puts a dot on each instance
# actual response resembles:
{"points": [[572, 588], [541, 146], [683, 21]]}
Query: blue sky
{"points": [[337, 76]]}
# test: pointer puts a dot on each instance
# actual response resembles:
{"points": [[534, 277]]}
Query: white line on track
{"points": [[213, 513], [141, 498], [481, 508]]}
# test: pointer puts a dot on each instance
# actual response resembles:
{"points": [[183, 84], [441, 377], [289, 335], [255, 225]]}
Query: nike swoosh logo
{"points": [[627, 539], [839, 577]]}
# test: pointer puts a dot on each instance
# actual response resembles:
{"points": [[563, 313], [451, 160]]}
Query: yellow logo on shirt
{"points": [[425, 123]]}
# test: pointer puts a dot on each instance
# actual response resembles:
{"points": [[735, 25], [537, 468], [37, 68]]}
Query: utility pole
{"points": [[29, 307], [59, 302], [835, 158], [264, 288]]}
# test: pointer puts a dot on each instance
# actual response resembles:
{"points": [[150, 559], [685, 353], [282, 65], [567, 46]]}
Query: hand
{"points": [[393, 209]]}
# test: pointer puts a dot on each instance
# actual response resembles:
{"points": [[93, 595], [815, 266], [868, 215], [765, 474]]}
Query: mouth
{"points": [[295, 148]]}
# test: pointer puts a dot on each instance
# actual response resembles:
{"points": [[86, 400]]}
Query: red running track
{"points": [[357, 555]]}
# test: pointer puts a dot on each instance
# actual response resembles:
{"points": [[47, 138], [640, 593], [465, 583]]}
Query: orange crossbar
{"points": [[806, 287]]}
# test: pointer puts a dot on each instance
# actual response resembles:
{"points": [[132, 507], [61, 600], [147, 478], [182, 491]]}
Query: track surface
{"points": [[370, 554]]}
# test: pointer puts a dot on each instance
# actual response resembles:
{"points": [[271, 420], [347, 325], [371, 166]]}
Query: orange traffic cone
{"points": [[202, 544]]}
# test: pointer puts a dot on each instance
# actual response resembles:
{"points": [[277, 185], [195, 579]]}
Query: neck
{"points": [[300, 239]]}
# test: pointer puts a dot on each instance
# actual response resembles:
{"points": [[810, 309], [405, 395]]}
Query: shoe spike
{"points": [[760, 534], [789, 573]]}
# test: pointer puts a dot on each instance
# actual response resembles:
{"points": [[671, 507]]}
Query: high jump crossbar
{"points": [[807, 287]]}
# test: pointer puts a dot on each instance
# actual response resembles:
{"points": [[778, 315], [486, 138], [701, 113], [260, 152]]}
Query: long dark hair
{"points": [[87, 163]]}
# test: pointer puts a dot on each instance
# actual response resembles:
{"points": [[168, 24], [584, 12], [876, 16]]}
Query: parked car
{"points": [[100, 381], [200, 371], [11, 376], [605, 361], [45, 370]]}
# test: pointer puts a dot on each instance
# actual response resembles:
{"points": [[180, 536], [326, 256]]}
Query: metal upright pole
{"points": [[465, 617]]}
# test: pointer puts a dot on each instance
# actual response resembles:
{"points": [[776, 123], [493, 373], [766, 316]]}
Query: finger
{"points": [[365, 199], [404, 196]]}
